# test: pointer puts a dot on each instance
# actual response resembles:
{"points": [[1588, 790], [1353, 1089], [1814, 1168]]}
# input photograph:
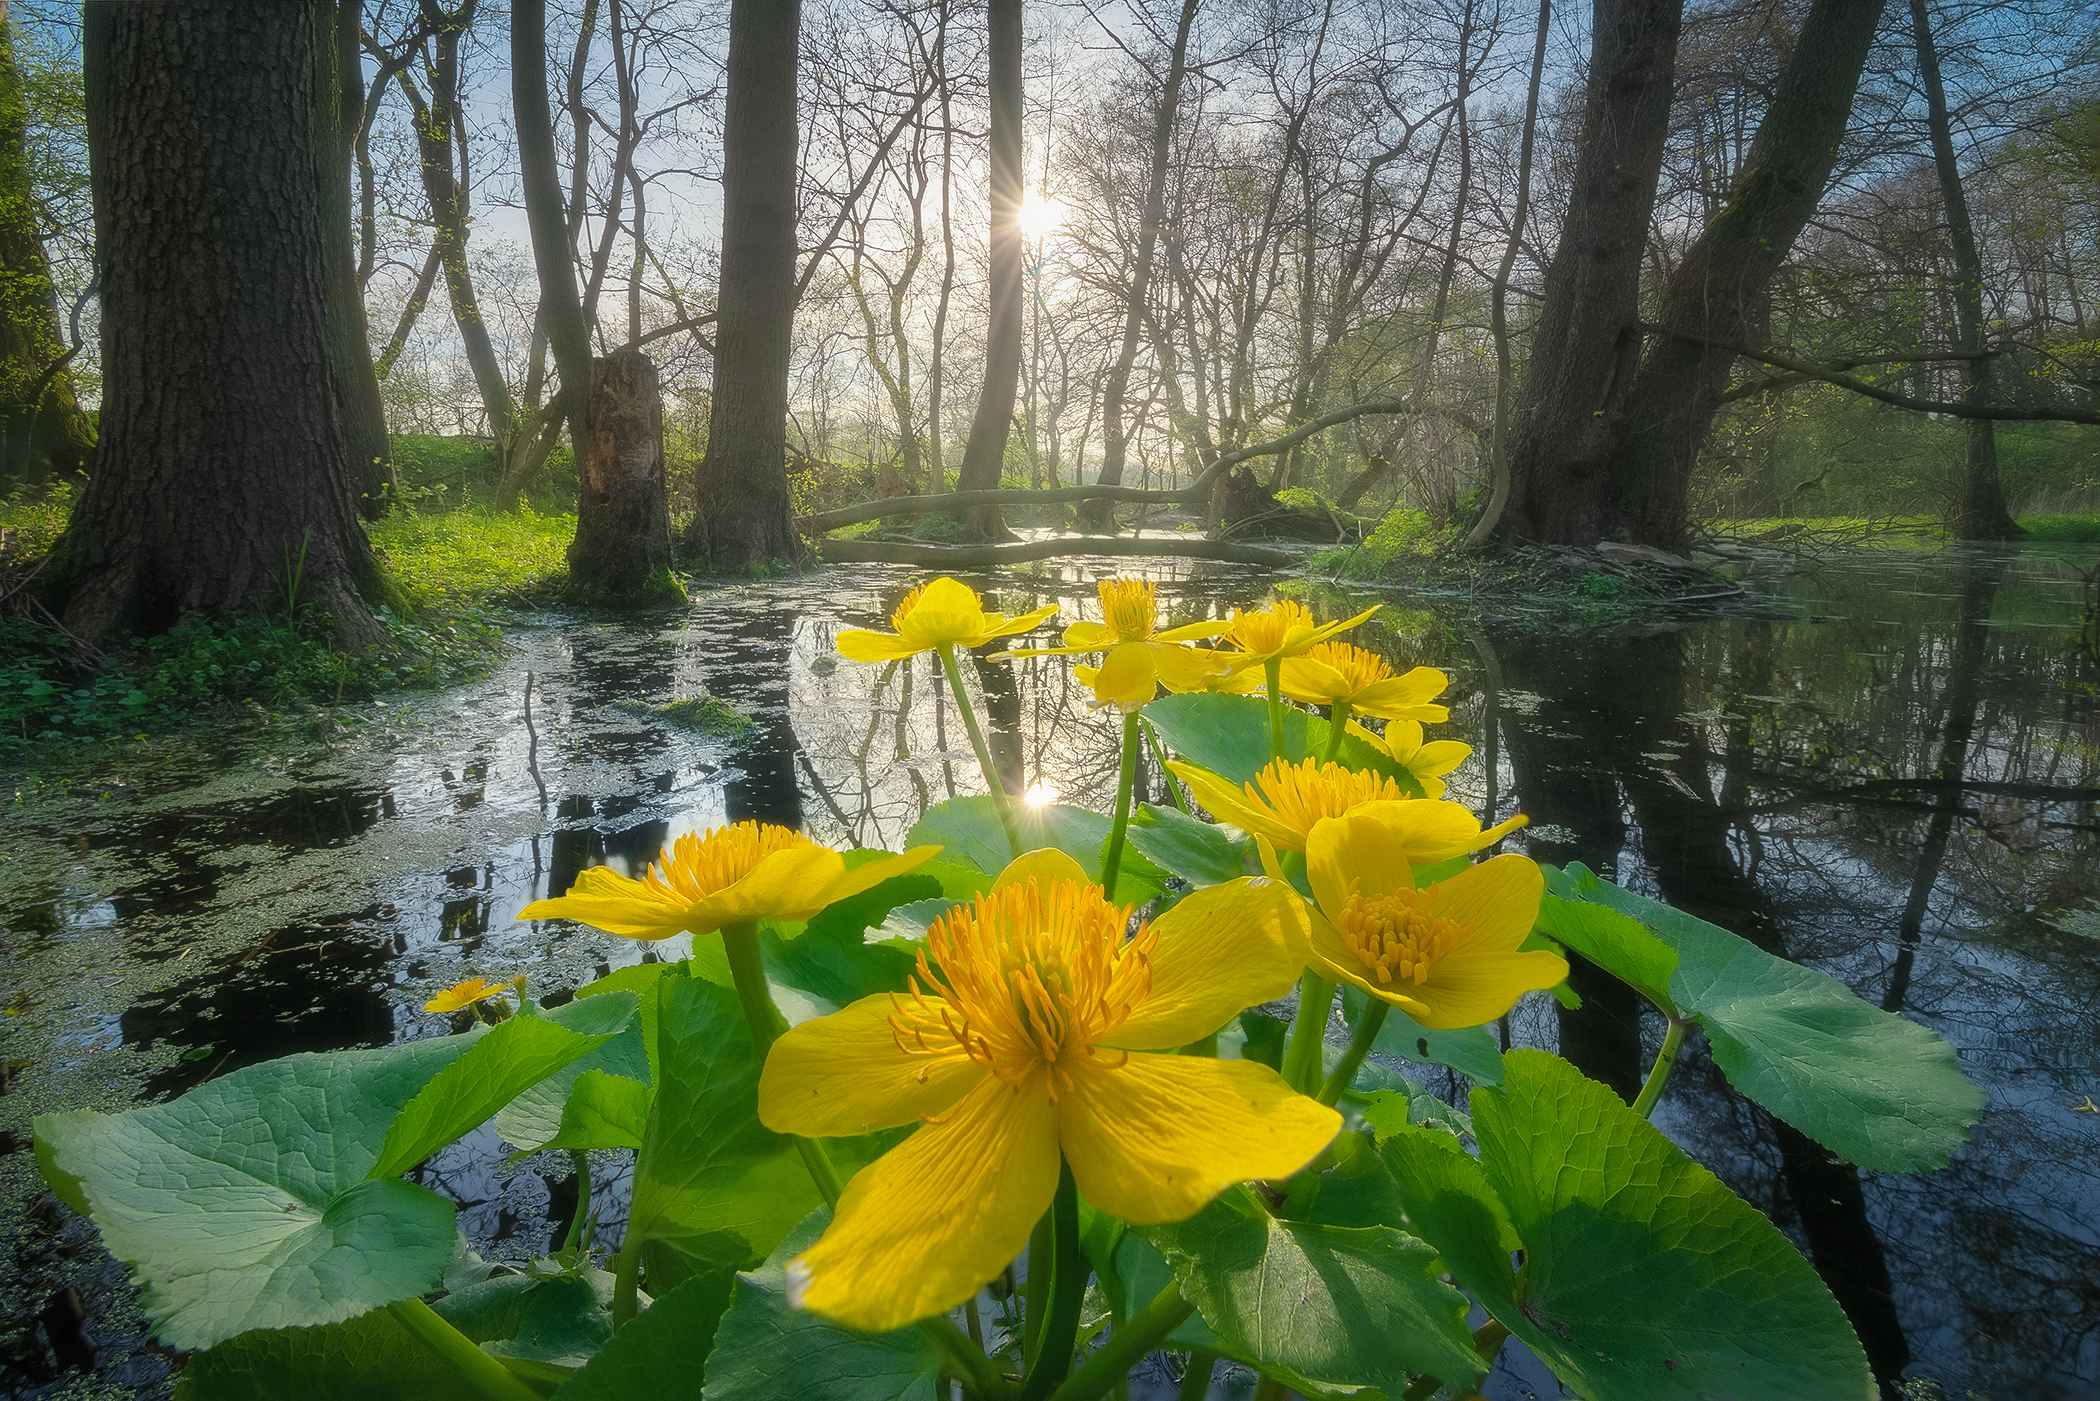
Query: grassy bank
{"points": [[455, 574]]}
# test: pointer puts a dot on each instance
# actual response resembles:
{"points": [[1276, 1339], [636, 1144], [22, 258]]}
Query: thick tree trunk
{"points": [[985, 452], [623, 528], [41, 424], [1980, 511], [222, 474], [339, 116], [1115, 442], [742, 522]]}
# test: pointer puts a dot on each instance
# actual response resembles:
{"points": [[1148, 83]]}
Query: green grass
{"points": [[2079, 530], [473, 557]]}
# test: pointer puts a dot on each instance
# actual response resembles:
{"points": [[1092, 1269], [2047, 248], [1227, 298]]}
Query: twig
{"points": [[532, 746]]}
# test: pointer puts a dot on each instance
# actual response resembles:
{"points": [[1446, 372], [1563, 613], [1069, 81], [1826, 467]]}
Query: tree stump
{"points": [[623, 518]]}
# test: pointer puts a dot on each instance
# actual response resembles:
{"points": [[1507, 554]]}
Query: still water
{"points": [[1885, 765]]}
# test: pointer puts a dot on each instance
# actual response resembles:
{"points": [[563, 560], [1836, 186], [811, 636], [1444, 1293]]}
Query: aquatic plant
{"points": [[1030, 1127]]}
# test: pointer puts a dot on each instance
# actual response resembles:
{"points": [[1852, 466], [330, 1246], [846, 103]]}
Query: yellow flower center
{"points": [[1129, 608], [1399, 935], [1269, 628], [1359, 668], [1031, 976], [698, 865], [1299, 795]]}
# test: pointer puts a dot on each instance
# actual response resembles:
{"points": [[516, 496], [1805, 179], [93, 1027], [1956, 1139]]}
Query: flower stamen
{"points": [[1400, 934]]}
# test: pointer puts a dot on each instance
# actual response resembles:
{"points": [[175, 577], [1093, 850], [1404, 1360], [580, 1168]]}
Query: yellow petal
{"points": [[1183, 669], [860, 645], [923, 1227], [1088, 637], [999, 625], [779, 887], [1194, 632], [845, 1074], [1312, 681], [1221, 949], [1125, 677], [1438, 757], [1498, 899], [1407, 697], [1047, 865], [1357, 851], [1473, 989], [1434, 831], [866, 876], [1156, 1138], [605, 899], [1228, 803]]}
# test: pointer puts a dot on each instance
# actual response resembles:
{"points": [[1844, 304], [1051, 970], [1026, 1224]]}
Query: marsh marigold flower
{"points": [[753, 870], [1428, 762], [465, 994], [1446, 954], [1140, 655], [1030, 1031], [1337, 673], [1283, 629], [1286, 800], [944, 613]]}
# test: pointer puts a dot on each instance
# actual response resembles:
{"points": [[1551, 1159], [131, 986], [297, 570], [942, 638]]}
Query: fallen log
{"points": [[1062, 546]]}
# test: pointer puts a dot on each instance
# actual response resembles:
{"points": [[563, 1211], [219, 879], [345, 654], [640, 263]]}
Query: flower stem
{"points": [[1301, 1058], [1000, 800], [1367, 1027], [1337, 728], [748, 971], [581, 1162], [488, 1376], [1273, 670], [1127, 780], [1665, 1062], [1270, 1389], [1487, 1341], [627, 1278], [1195, 1382], [1126, 1347], [1053, 1346], [1159, 752]]}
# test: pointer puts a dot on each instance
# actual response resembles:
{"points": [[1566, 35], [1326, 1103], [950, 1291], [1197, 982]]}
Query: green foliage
{"points": [[361, 1358], [1229, 735], [2081, 530], [474, 557], [969, 830], [1472, 1051], [32, 517], [654, 1356], [1870, 1085], [1402, 538], [1198, 852]]}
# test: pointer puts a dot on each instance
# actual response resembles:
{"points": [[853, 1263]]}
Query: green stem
{"points": [[1487, 1341], [1195, 1382], [1273, 669], [1000, 800], [1159, 752], [1053, 1346], [1367, 1028], [968, 1357], [1127, 780], [1270, 1389], [627, 1278], [1301, 1058], [1126, 1347], [489, 1377], [581, 1162], [748, 971], [1337, 727], [1665, 1062], [1035, 1289]]}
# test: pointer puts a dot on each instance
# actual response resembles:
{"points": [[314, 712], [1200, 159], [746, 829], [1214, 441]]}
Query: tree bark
{"points": [[1115, 443], [623, 528], [339, 117], [222, 473], [45, 433], [1980, 512], [561, 306], [741, 522], [985, 452]]}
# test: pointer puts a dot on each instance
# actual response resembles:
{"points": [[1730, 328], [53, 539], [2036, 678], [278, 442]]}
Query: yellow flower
{"points": [[1285, 801], [753, 870], [465, 994], [1445, 954], [944, 613], [1283, 629], [1141, 656], [1427, 762], [1336, 673], [1030, 1041]]}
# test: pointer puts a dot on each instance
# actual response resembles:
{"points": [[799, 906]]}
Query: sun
{"points": [[1040, 217]]}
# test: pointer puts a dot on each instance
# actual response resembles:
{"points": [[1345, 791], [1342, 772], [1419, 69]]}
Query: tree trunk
{"points": [[741, 522], [1980, 512], [623, 527], [561, 306], [339, 117], [1587, 342], [1095, 515], [985, 452], [45, 432], [222, 475]]}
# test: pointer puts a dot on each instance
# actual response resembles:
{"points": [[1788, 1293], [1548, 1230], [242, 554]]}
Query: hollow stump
{"points": [[623, 518]]}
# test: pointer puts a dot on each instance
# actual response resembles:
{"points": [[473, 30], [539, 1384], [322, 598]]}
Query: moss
{"points": [[2081, 530], [943, 530], [707, 716]]}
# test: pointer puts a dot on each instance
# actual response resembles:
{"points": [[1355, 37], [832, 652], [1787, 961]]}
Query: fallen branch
{"points": [[1809, 370], [981, 556]]}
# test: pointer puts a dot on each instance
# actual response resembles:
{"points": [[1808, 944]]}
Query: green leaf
{"points": [[639, 979], [969, 830], [1198, 852], [242, 1204], [1229, 735], [766, 1350], [543, 1328], [1331, 1306], [514, 1056], [1472, 1051], [1620, 945], [1645, 1278], [368, 1356], [656, 1355], [1873, 1087], [603, 1111], [535, 1119]]}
